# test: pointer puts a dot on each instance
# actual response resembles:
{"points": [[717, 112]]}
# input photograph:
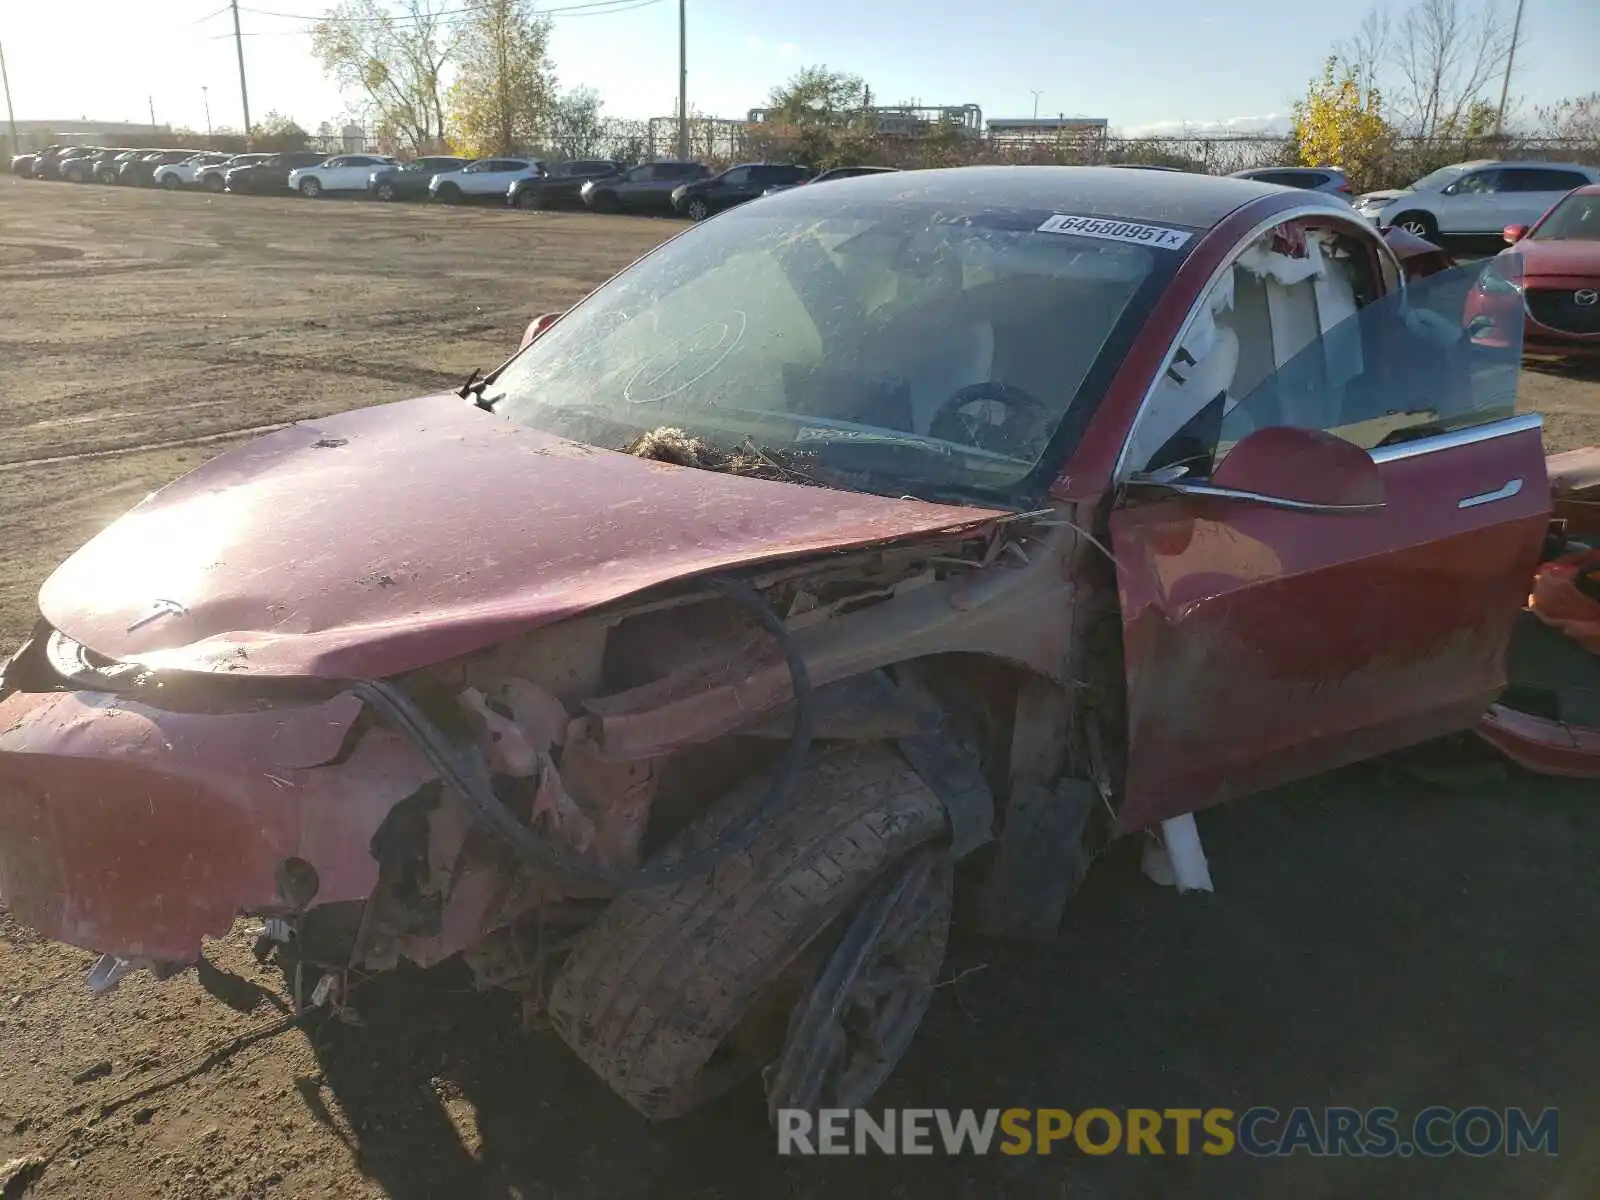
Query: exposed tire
{"points": [[1419, 223], [311, 188], [107, 177], [607, 202], [171, 182], [666, 977], [531, 198], [384, 191], [448, 193], [697, 209], [214, 183]]}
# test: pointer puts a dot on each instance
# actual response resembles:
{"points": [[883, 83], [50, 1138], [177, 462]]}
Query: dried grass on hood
{"points": [[669, 444]]}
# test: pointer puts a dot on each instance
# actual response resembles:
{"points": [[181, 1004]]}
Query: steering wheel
{"points": [[969, 416]]}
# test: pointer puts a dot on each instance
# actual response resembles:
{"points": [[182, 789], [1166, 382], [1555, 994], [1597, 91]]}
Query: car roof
{"points": [[1542, 164], [1249, 171], [1174, 197]]}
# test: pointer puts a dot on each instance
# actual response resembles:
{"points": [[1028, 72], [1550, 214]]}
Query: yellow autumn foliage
{"points": [[1340, 123]]}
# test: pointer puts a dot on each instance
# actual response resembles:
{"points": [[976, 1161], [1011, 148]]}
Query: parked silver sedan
{"points": [[1311, 179]]}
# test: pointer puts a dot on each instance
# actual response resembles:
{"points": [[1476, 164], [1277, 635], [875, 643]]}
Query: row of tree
{"points": [[1432, 75], [476, 79]]}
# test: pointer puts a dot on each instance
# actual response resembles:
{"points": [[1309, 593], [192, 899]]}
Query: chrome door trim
{"points": [[1505, 427], [1262, 498], [1121, 471], [1504, 492]]}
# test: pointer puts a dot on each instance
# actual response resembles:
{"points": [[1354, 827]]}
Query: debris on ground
{"points": [[98, 1071], [17, 1174]]}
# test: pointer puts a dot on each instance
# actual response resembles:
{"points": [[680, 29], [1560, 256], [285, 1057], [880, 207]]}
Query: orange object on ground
{"points": [[1560, 602]]}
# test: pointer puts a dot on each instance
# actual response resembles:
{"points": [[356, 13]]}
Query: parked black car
{"points": [[140, 171], [214, 178], [698, 200], [85, 167], [561, 185], [271, 174], [48, 164], [831, 174], [106, 167], [409, 181], [645, 188]]}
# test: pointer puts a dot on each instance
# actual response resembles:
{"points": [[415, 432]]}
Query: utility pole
{"points": [[11, 117], [205, 98], [683, 81], [244, 93], [152, 101], [1036, 105], [1505, 83]]}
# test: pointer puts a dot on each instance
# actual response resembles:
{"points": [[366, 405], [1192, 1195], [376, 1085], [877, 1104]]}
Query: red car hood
{"points": [[392, 538], [1558, 259]]}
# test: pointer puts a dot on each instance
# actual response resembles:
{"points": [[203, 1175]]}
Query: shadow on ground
{"points": [[1375, 940]]}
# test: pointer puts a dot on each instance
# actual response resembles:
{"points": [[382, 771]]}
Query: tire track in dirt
{"points": [[199, 439]]}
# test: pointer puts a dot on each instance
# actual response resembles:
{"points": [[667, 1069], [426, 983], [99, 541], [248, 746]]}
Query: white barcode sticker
{"points": [[1116, 231]]}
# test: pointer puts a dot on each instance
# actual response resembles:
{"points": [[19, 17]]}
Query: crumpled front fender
{"points": [[138, 831]]}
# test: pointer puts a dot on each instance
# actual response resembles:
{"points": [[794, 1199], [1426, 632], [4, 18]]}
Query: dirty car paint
{"points": [[141, 830], [392, 538]]}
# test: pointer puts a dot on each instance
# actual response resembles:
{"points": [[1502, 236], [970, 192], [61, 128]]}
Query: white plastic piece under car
{"points": [[1176, 857]]}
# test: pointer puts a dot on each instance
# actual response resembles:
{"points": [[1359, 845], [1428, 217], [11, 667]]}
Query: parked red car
{"points": [[951, 518], [1560, 254]]}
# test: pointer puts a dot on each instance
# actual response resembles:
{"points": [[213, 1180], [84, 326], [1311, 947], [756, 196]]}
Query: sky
{"points": [[1169, 63]]}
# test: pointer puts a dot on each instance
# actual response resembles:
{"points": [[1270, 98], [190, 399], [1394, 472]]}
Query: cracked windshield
{"points": [[891, 343]]}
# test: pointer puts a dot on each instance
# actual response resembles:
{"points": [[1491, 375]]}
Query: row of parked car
{"points": [[1470, 199], [687, 188]]}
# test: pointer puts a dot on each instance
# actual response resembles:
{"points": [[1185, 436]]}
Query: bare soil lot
{"points": [[1376, 939]]}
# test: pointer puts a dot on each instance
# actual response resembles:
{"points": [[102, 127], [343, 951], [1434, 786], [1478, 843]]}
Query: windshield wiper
{"points": [[473, 390]]}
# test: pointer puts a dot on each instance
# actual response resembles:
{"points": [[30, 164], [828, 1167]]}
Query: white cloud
{"points": [[754, 43], [788, 49], [1274, 123]]}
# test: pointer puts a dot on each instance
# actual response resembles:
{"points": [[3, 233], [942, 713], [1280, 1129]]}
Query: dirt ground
{"points": [[1376, 939]]}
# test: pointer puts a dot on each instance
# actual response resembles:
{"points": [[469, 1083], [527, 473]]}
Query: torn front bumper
{"points": [[1542, 745], [138, 831]]}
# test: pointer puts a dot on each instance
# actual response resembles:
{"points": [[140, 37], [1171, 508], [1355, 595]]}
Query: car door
{"points": [[1472, 204], [501, 172], [632, 188], [735, 186], [1269, 634], [1529, 192], [351, 174]]}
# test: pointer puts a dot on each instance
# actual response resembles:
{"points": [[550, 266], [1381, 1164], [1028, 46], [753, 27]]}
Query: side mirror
{"points": [[537, 326], [1303, 470], [1514, 233]]}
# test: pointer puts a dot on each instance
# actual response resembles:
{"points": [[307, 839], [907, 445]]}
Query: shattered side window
{"points": [[1445, 354]]}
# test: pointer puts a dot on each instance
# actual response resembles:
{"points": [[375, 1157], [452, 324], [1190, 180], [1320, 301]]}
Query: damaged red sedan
{"points": [[668, 674]]}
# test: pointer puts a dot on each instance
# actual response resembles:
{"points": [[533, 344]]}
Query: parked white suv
{"points": [[485, 177], [183, 174], [1475, 199], [344, 173]]}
